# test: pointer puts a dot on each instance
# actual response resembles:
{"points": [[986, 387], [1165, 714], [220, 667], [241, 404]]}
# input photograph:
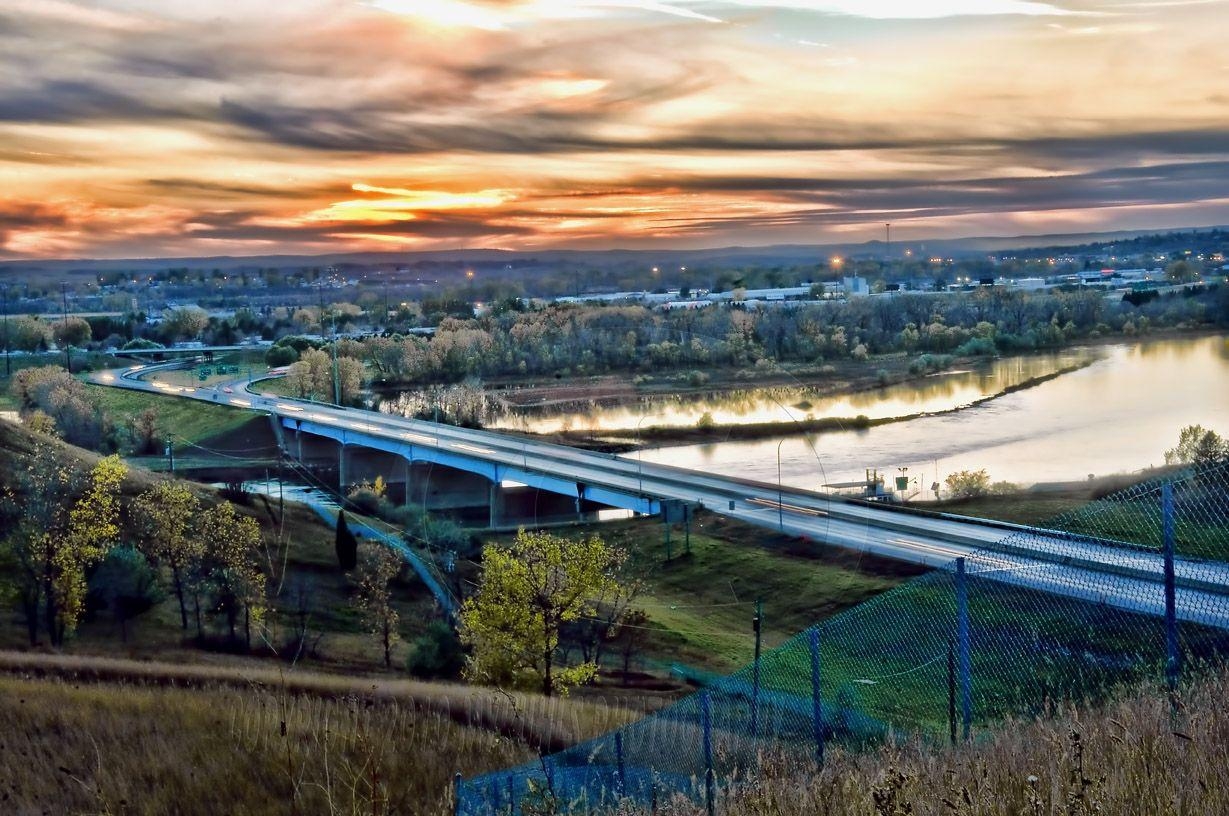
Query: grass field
{"points": [[135, 749], [190, 420], [701, 604]]}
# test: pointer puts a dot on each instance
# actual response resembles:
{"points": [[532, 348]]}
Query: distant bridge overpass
{"points": [[438, 463]]}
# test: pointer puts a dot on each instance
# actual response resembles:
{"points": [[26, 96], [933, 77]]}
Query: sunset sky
{"points": [[140, 128]]}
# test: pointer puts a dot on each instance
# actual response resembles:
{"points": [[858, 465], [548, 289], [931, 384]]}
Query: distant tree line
{"points": [[594, 339]]}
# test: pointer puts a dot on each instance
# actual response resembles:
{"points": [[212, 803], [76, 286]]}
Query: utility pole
{"points": [[336, 382], [757, 624], [4, 294], [780, 505], [68, 354]]}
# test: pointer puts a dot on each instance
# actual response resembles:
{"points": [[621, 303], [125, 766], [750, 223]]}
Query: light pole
{"points": [[639, 456], [336, 382], [780, 509], [4, 294], [68, 354]]}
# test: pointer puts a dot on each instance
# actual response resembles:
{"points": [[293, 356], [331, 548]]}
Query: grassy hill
{"points": [[159, 742], [105, 736]]}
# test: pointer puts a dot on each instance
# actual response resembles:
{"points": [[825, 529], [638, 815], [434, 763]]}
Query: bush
{"points": [[967, 484], [279, 356], [436, 654], [977, 347], [365, 501], [125, 584]]}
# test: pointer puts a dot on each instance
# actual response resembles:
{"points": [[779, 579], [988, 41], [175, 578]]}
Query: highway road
{"points": [[1039, 559]]}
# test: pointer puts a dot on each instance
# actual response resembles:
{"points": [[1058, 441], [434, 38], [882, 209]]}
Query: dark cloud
{"points": [[200, 187], [246, 226], [77, 100], [23, 215]]}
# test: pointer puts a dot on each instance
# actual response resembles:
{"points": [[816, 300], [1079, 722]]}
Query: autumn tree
{"points": [[29, 334], [66, 524], [350, 374], [166, 518], [78, 417], [1197, 446], [527, 594], [71, 332], [312, 375], [378, 566], [184, 324], [145, 431], [967, 484], [231, 566]]}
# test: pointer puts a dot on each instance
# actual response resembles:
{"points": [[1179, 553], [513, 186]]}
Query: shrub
{"points": [[279, 356], [977, 347], [436, 654], [967, 484]]}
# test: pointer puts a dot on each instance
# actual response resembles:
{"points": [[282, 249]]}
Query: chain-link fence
{"points": [[1130, 587]]}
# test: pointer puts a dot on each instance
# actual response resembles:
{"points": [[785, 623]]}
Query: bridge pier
{"points": [[496, 505]]}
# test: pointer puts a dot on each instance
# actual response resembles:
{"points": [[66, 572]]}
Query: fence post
{"points": [[546, 772], [951, 690], [456, 794], [1172, 654], [758, 625], [622, 769], [706, 723], [817, 710], [962, 636]]}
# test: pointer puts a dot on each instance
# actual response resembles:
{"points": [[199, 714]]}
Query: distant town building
{"points": [[856, 286]]}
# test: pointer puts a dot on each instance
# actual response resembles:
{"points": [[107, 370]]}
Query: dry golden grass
{"points": [[548, 724], [100, 735], [122, 748], [1138, 756]]}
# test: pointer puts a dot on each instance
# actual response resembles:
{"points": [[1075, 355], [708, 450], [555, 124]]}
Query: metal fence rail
{"points": [[955, 651]]}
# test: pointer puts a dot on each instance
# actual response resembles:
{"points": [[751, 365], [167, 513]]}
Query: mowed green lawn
{"points": [[700, 605], [191, 420]]}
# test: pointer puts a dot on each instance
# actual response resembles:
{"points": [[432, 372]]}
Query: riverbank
{"points": [[828, 379], [622, 439]]}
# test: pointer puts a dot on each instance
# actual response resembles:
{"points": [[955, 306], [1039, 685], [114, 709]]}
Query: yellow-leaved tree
{"points": [[93, 529], [231, 566], [63, 522], [166, 517], [527, 593], [377, 568]]}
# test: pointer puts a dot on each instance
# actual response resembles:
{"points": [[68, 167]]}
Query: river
{"points": [[938, 392], [1116, 415]]}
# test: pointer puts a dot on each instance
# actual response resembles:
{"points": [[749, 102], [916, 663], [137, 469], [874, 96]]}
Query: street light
{"points": [[4, 293], [780, 508], [639, 454]]}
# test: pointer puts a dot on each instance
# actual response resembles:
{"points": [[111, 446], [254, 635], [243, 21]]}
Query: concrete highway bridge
{"points": [[521, 480]]}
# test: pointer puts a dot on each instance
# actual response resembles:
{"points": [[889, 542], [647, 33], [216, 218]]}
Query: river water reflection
{"points": [[939, 392], [1118, 414]]}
